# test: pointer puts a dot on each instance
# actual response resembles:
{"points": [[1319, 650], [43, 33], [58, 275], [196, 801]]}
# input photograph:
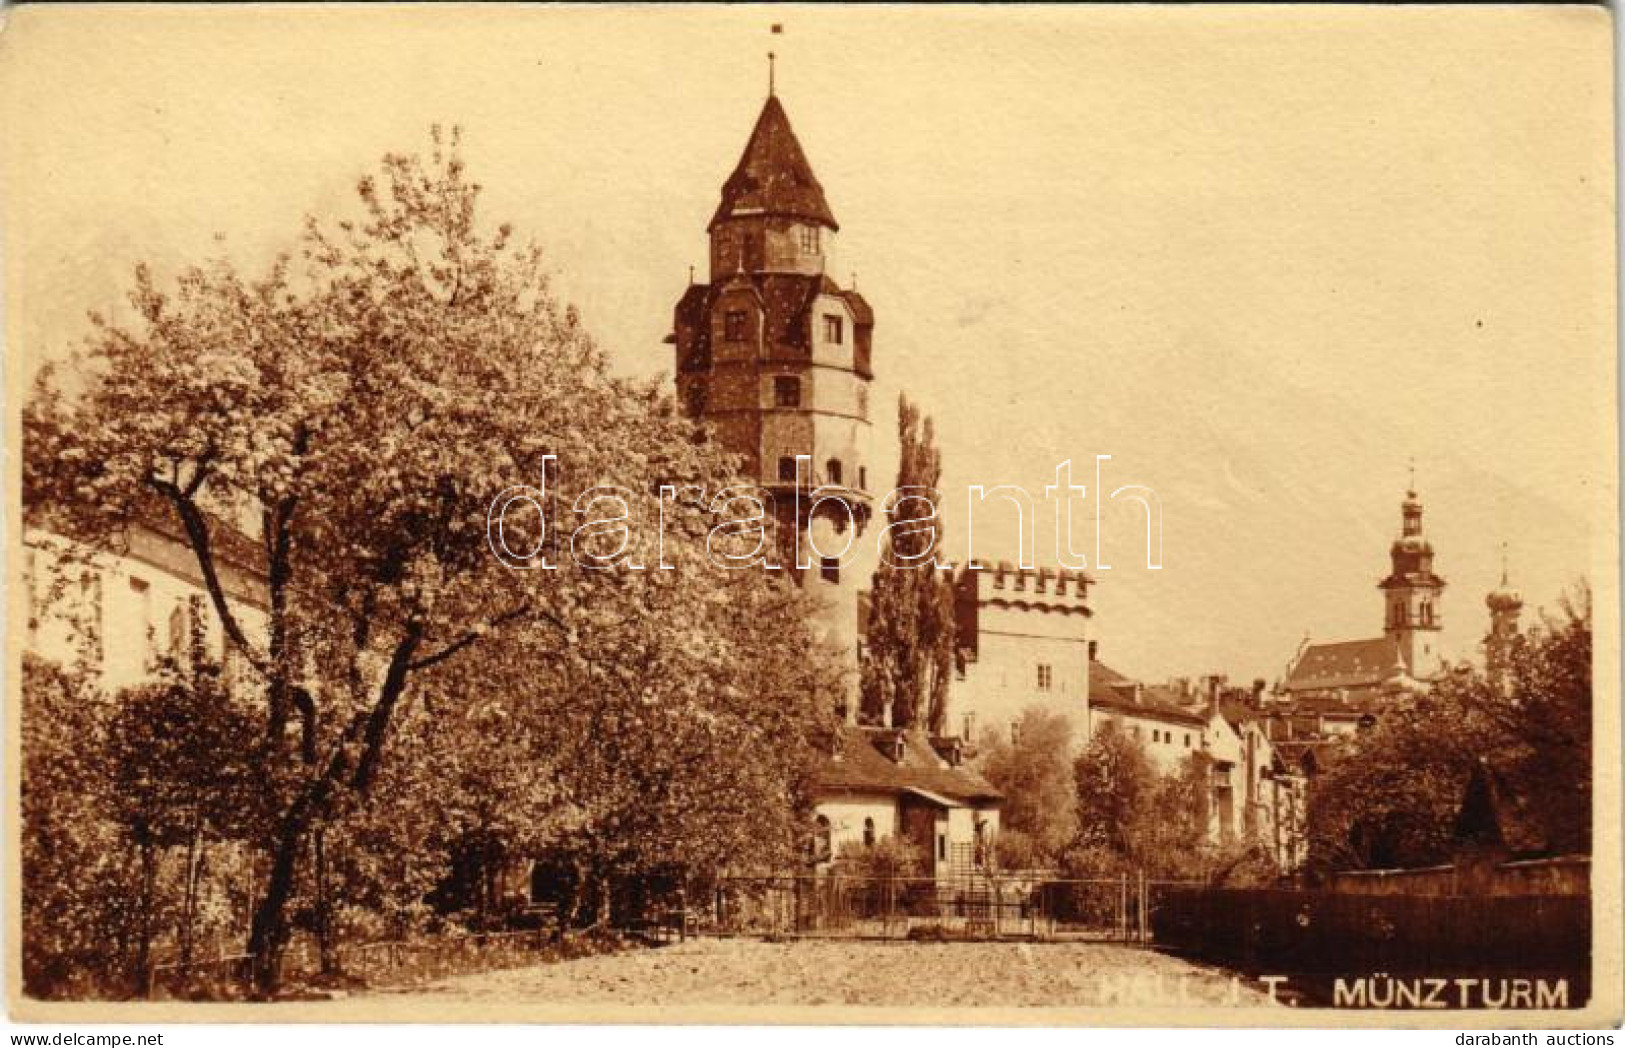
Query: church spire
{"points": [[773, 178], [1411, 591], [1505, 604]]}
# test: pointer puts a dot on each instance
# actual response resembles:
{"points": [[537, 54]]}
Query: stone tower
{"points": [[775, 355], [1505, 604], [1411, 594]]}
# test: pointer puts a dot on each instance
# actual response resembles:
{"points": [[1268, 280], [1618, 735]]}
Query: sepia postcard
{"points": [[1094, 516]]}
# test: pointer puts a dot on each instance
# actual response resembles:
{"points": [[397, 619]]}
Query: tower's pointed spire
{"points": [[773, 178]]}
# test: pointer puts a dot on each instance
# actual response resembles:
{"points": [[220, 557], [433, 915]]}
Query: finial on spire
{"points": [[1412, 467], [776, 29], [1503, 563]]}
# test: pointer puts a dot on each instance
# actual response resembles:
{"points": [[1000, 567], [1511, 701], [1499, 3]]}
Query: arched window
{"points": [[832, 471], [868, 833]]}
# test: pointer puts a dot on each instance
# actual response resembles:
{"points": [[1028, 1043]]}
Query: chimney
{"points": [[1139, 693], [1094, 649]]}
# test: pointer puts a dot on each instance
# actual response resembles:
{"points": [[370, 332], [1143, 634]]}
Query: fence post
{"points": [[1145, 919], [1122, 906]]}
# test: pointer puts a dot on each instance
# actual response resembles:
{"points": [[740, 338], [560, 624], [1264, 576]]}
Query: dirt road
{"points": [[750, 972]]}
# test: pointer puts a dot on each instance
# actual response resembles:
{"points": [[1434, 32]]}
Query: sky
{"points": [[1265, 261]]}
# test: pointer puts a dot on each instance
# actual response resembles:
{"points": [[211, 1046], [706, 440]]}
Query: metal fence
{"points": [[1116, 909], [375, 964]]}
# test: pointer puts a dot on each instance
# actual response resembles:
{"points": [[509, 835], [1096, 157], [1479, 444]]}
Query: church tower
{"points": [[1505, 604], [1411, 594], [775, 355]]}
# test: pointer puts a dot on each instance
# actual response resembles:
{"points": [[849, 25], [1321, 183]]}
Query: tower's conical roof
{"points": [[773, 176]]}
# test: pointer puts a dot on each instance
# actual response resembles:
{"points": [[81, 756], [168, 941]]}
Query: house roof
{"points": [[1345, 664], [773, 176], [1102, 676], [862, 763], [1110, 690], [229, 543]]}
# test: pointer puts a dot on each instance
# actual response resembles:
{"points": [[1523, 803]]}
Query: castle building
{"points": [[775, 356], [1022, 636], [1345, 681]]}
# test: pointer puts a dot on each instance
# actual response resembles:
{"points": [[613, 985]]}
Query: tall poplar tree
{"points": [[909, 646]]}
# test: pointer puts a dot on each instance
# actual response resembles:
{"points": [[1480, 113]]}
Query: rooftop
{"points": [[773, 176], [862, 763]]}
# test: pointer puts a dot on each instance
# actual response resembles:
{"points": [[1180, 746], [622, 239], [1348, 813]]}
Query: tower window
{"points": [[832, 470], [832, 329], [863, 478], [809, 239], [734, 325], [830, 569], [787, 468], [787, 391], [1046, 676], [868, 833]]}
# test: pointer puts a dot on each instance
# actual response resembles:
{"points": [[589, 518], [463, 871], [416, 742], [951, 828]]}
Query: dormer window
{"points": [[832, 329], [809, 240]]}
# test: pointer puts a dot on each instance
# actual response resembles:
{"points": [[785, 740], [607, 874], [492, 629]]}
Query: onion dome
{"points": [[1504, 597]]}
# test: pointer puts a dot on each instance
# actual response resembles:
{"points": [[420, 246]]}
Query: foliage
{"points": [[909, 644], [1034, 772], [1015, 850], [356, 413], [74, 916], [125, 802], [1389, 796], [889, 857], [1132, 817]]}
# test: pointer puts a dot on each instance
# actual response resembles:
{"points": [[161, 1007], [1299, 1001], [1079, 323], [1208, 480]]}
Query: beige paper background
{"points": [[1260, 256]]}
